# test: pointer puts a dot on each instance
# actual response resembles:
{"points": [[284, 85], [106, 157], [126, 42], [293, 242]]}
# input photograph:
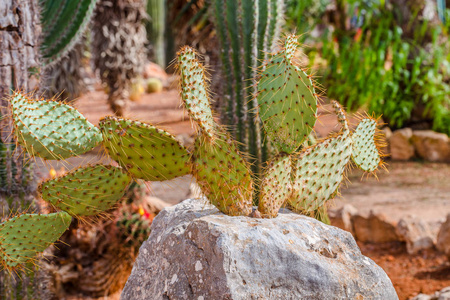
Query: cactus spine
{"points": [[247, 31]]}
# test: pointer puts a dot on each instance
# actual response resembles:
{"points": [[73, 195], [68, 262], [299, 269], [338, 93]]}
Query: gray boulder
{"points": [[196, 252]]}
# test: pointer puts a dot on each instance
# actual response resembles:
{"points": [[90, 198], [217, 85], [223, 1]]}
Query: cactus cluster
{"points": [[301, 177]]}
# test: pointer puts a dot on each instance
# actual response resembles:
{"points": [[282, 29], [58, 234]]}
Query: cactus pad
{"points": [[50, 129], [87, 190], [194, 91], [143, 150], [365, 153], [276, 186], [223, 175], [318, 171], [287, 100], [24, 236]]}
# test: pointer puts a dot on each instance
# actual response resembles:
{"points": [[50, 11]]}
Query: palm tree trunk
{"points": [[19, 67]]}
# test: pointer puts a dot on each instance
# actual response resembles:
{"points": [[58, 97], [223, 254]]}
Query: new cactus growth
{"points": [[365, 153], [304, 178]]}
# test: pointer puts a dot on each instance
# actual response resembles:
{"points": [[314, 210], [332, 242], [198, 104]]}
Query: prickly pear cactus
{"points": [[86, 191], [50, 129], [145, 151], [24, 236], [304, 178], [287, 99], [194, 90], [318, 170], [276, 187], [223, 174]]}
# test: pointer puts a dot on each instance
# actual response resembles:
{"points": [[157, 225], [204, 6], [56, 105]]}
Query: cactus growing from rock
{"points": [[304, 178]]}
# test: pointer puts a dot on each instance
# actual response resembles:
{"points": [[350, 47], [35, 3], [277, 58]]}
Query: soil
{"points": [[408, 188], [411, 275]]}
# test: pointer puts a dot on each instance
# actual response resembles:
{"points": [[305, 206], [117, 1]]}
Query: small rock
{"points": [[416, 233], [342, 218], [195, 192], [443, 238], [155, 203], [431, 146], [375, 228], [422, 297], [443, 294], [153, 85], [221, 257], [185, 139], [401, 147], [153, 70]]}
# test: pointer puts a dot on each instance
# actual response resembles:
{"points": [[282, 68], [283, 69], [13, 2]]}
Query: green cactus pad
{"points": [[25, 236], [275, 186], [86, 191], [194, 91], [50, 129], [223, 175], [318, 171], [143, 150], [365, 153], [287, 100]]}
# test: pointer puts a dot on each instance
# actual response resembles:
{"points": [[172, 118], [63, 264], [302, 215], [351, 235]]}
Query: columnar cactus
{"points": [[302, 177], [247, 31], [63, 25]]}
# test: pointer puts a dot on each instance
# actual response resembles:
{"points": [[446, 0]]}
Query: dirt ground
{"points": [[408, 188]]}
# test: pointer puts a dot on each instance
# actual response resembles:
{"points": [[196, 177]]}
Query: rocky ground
{"points": [[408, 189]]}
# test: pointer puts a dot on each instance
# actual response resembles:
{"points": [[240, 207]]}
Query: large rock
{"points": [[443, 238], [431, 146], [196, 252], [376, 228], [401, 147]]}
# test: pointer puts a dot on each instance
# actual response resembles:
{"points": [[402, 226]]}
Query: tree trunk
{"points": [[19, 67]]}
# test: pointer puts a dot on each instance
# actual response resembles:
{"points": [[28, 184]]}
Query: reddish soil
{"points": [[410, 188], [411, 275]]}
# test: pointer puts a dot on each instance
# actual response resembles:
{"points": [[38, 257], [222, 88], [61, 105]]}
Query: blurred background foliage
{"points": [[388, 57]]}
